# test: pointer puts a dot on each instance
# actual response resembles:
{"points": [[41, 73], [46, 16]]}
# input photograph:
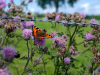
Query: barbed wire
{"points": [[24, 19]]}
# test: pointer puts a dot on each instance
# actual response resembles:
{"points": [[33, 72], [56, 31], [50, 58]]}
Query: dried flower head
{"points": [[54, 14], [94, 50], [10, 27], [64, 37], [95, 38], [60, 54], [61, 13], [86, 44], [63, 49], [8, 53], [78, 18], [76, 14], [96, 60], [53, 46], [98, 53], [49, 16], [69, 16]]}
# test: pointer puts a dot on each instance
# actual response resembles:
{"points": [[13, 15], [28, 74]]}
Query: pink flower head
{"points": [[40, 42], [36, 61], [4, 71], [12, 1], [64, 37], [23, 25], [98, 69], [88, 36], [83, 15], [56, 40], [16, 20], [57, 18], [2, 4], [93, 20], [27, 34], [67, 60], [4, 15], [30, 74], [62, 42], [53, 34], [29, 24], [8, 53], [30, 0]]}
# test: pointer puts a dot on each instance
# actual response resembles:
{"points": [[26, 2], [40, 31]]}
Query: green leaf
{"points": [[24, 58], [90, 60]]}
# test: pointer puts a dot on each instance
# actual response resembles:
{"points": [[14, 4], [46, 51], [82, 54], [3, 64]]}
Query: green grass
{"points": [[22, 48]]}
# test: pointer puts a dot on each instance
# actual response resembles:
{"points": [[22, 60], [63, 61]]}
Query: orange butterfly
{"points": [[41, 34]]}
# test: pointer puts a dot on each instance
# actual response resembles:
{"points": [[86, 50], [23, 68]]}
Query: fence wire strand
{"points": [[24, 19]]}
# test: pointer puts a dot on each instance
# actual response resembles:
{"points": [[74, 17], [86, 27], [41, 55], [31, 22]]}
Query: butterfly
{"points": [[41, 34]]}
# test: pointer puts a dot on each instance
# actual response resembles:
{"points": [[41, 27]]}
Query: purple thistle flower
{"points": [[40, 42], [4, 71], [8, 53], [98, 69], [56, 40], [67, 60], [57, 18], [27, 33], [36, 61], [93, 20], [30, 74], [88, 36], [12, 1], [30, 0], [83, 15], [62, 42], [2, 4], [53, 34], [23, 25], [16, 20], [29, 24], [64, 37]]}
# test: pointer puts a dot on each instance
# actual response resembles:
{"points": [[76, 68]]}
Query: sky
{"points": [[89, 7]]}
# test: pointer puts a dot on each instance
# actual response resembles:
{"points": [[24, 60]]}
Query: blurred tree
{"points": [[43, 3]]}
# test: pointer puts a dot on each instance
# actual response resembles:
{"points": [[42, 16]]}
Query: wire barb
{"points": [[34, 19]]}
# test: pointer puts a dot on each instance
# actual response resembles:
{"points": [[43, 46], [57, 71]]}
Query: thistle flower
{"points": [[12, 1], [40, 42], [8, 53], [30, 0], [53, 34], [67, 60], [83, 15], [16, 20], [23, 25], [57, 18], [30, 74], [4, 71], [27, 33], [88, 36], [98, 69], [62, 42], [56, 40], [29, 24], [2, 4], [93, 20], [64, 37]]}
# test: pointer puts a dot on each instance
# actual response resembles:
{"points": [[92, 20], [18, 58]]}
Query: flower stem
{"points": [[3, 40]]}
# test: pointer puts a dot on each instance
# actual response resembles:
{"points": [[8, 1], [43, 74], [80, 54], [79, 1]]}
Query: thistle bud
{"points": [[94, 50], [95, 38]]}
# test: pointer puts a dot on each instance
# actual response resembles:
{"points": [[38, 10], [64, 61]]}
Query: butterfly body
{"points": [[41, 34]]}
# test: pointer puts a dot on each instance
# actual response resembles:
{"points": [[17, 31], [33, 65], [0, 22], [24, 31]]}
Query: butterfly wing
{"points": [[39, 33]]}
